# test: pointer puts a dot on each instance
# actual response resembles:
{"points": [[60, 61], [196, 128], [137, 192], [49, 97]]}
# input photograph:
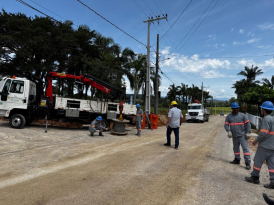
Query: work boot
{"points": [[175, 147], [100, 134], [270, 185], [167, 144], [91, 135], [253, 179], [267, 199], [139, 133], [248, 167], [235, 161]]}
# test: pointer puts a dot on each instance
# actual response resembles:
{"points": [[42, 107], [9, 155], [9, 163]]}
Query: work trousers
{"points": [[138, 127], [237, 141], [261, 155], [176, 132]]}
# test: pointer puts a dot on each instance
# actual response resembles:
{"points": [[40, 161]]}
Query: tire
{"points": [[105, 123], [187, 121], [202, 121], [17, 121]]}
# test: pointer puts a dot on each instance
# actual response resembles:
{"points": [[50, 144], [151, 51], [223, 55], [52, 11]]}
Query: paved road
{"points": [[67, 167]]}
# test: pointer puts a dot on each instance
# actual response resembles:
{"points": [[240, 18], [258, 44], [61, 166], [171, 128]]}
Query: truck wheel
{"points": [[202, 121], [105, 123], [17, 121]]}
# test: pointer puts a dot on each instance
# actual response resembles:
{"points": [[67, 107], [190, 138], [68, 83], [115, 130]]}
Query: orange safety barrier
{"points": [[143, 125], [153, 120]]}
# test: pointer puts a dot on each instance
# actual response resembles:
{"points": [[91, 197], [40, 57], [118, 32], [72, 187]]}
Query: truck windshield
{"points": [[194, 107]]}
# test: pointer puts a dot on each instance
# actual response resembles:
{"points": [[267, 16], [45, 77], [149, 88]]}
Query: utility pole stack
{"points": [[156, 101], [147, 106]]}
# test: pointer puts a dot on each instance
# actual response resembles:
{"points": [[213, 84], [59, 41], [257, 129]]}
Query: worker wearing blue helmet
{"points": [[139, 119], [265, 151], [238, 128], [96, 125]]}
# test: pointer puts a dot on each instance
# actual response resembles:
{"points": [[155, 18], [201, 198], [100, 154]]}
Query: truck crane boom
{"points": [[92, 81]]}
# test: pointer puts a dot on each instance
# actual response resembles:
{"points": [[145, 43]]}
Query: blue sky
{"points": [[208, 41]]}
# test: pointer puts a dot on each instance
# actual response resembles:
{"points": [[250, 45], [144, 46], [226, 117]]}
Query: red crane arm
{"points": [[82, 79]]}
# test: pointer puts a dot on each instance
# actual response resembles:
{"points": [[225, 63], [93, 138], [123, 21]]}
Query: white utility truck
{"points": [[22, 101], [197, 112]]}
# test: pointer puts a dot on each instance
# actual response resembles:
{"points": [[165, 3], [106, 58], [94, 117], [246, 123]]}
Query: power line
{"points": [[47, 9], [192, 26], [199, 24], [176, 19], [111, 23], [26, 4]]}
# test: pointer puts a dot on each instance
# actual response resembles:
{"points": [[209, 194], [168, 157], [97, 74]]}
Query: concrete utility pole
{"points": [[147, 106], [203, 93], [156, 101]]}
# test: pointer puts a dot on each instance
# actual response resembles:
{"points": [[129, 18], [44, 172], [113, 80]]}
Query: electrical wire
{"points": [[176, 19], [193, 26], [26, 4], [111, 23], [199, 25]]}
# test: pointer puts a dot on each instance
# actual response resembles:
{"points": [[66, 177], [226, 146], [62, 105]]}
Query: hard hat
{"points": [[267, 105], [173, 103], [99, 118], [234, 105], [138, 105]]}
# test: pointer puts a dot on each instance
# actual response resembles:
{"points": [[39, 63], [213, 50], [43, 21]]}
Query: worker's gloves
{"points": [[229, 134], [248, 135]]}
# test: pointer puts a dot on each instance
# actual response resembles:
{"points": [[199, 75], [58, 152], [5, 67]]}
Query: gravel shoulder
{"points": [[67, 166]]}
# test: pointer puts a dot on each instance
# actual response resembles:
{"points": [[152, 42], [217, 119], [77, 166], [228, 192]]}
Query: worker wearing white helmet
{"points": [[173, 124], [139, 119]]}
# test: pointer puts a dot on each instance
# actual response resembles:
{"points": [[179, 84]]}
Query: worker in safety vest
{"points": [[96, 125], [265, 151], [238, 127], [139, 119], [174, 122]]}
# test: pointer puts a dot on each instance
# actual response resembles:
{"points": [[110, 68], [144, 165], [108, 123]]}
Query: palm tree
{"points": [[173, 92], [183, 92], [138, 70], [269, 84], [243, 85], [251, 74]]}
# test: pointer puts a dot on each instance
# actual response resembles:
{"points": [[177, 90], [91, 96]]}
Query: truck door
{"points": [[16, 95]]}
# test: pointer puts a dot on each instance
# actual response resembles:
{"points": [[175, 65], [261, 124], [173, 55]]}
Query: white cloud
{"points": [[223, 45], [265, 47], [232, 30], [212, 74], [241, 31], [245, 62], [212, 37], [165, 51], [194, 64], [236, 43], [222, 90], [266, 26], [253, 40], [250, 34]]}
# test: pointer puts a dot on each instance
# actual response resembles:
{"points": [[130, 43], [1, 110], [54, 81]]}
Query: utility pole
{"points": [[147, 105], [203, 93], [156, 101]]}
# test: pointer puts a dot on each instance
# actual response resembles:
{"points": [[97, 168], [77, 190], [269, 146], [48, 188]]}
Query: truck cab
{"points": [[16, 95], [197, 112]]}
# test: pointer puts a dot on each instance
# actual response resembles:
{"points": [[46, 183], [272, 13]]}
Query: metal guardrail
{"points": [[254, 120]]}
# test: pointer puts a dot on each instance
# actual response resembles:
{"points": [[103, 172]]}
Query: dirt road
{"points": [[65, 167]]}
